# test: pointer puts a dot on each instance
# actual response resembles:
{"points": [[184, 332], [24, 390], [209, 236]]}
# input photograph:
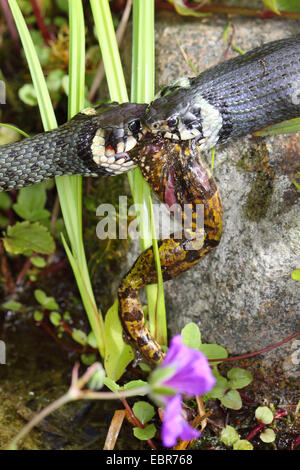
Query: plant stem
{"points": [[260, 351]]}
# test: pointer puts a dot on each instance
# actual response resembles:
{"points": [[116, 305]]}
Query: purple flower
{"points": [[190, 374], [174, 424]]}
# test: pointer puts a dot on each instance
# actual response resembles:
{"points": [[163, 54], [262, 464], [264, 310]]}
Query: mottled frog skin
{"points": [[178, 175]]}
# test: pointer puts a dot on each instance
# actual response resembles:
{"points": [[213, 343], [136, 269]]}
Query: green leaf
{"points": [[12, 305], [162, 390], [38, 261], [30, 203], [66, 316], [65, 83], [183, 10], [38, 316], [232, 400], [220, 387], [4, 221], [63, 5], [297, 408], [143, 411], [55, 318], [25, 238], [268, 435], [111, 384], [54, 79], [296, 275], [12, 136], [161, 374], [97, 379], [242, 444], [48, 303], [136, 384], [213, 351], [285, 127], [239, 378], [289, 5], [5, 201], [272, 5], [191, 335], [144, 367], [144, 434], [80, 337], [88, 359], [27, 94], [91, 340], [229, 436], [264, 415], [117, 353]]}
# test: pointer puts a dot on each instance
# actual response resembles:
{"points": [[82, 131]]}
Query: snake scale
{"points": [[166, 139]]}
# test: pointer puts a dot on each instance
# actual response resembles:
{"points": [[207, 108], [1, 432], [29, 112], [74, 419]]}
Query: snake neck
{"points": [[232, 99]]}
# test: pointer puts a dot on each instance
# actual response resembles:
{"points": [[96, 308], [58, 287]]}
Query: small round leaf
{"points": [[268, 435], [229, 436], [264, 415], [232, 400], [242, 444], [144, 434]]}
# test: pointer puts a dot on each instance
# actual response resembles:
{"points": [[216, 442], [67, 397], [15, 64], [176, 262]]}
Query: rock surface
{"points": [[242, 295]]}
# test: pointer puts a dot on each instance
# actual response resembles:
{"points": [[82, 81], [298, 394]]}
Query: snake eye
{"points": [[172, 122], [134, 126]]}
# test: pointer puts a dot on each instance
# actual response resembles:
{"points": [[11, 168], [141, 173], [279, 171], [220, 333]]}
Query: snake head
{"points": [[178, 113], [117, 131]]}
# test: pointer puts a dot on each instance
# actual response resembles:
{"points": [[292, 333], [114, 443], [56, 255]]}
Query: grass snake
{"points": [[166, 140]]}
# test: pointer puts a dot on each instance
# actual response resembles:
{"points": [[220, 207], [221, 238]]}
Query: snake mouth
{"points": [[181, 132], [112, 154]]}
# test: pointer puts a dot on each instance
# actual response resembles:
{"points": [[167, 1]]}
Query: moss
{"points": [[256, 160]]}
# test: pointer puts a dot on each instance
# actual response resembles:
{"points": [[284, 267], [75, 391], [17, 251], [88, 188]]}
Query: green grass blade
{"points": [[76, 58], [110, 52], [143, 91], [118, 92], [70, 187], [36, 72], [14, 128], [117, 88], [159, 319], [285, 127], [70, 192]]}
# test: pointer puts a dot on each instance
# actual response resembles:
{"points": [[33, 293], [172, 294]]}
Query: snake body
{"points": [[166, 139], [229, 100], [232, 99], [84, 146]]}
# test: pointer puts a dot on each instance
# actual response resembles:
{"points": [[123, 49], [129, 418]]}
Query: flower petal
{"points": [[174, 426], [192, 375]]}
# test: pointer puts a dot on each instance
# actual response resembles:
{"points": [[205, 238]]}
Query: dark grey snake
{"points": [[82, 146], [232, 99]]}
